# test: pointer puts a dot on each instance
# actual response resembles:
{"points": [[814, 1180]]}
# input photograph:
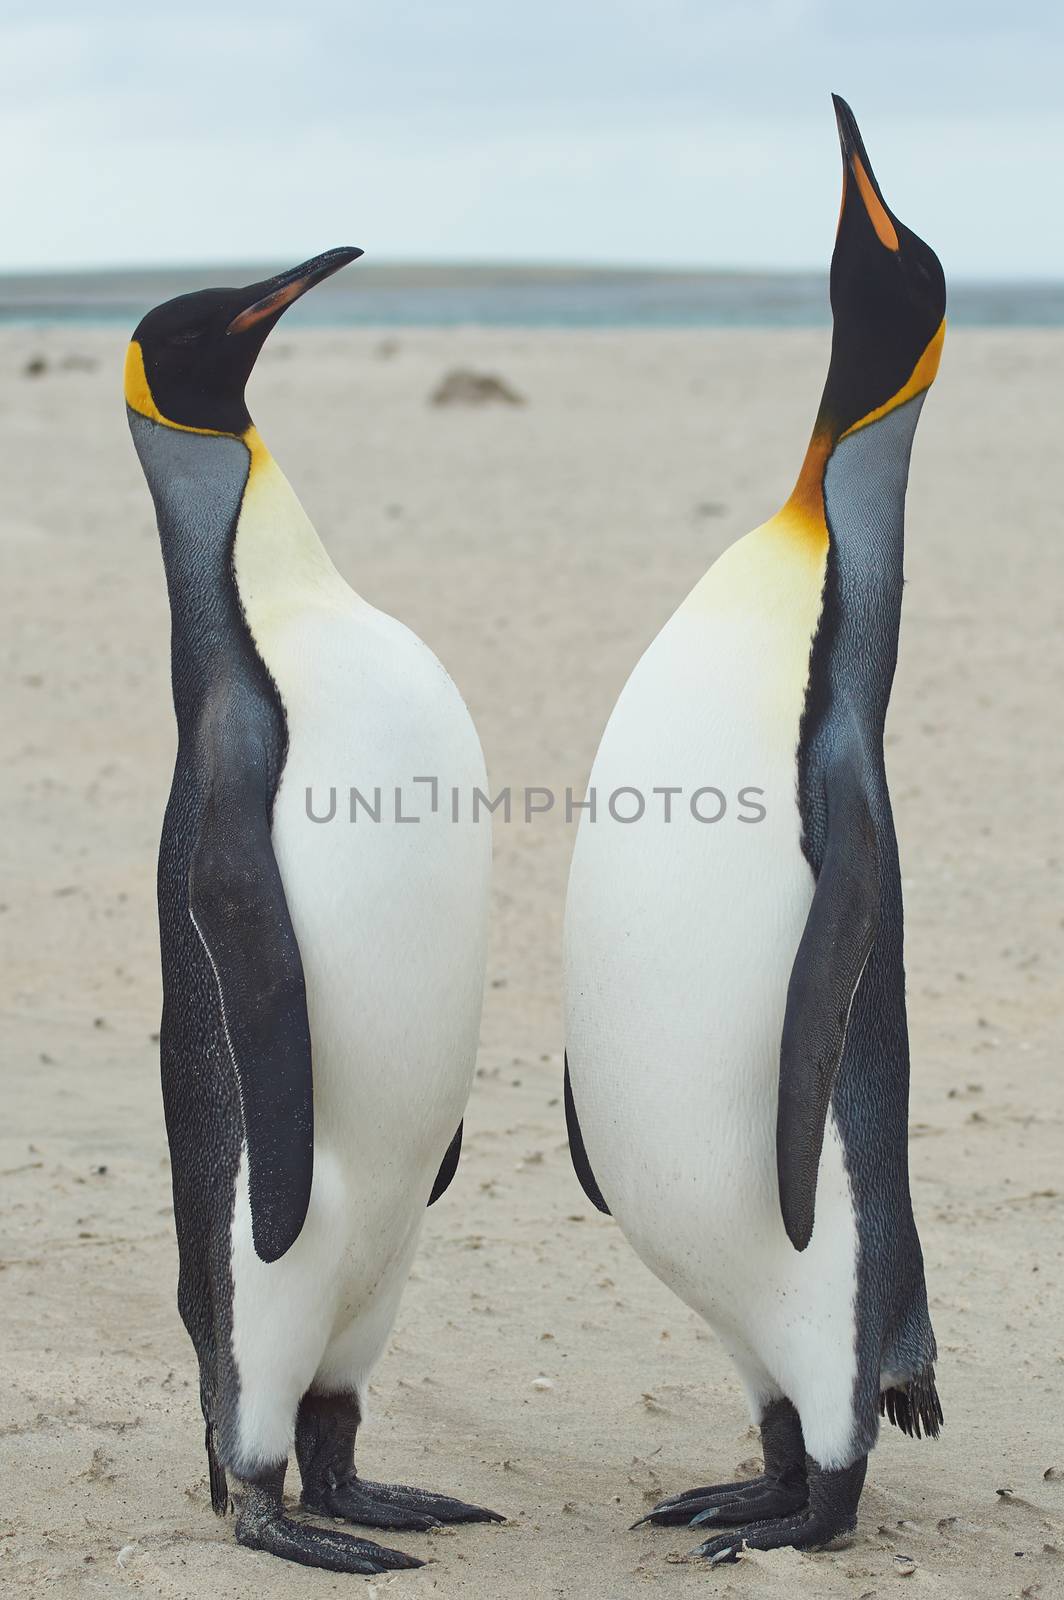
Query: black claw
{"points": [[717, 1551], [705, 1516], [397, 1559]]}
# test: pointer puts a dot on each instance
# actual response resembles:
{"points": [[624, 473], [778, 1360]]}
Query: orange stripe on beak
{"points": [[885, 229], [277, 301]]}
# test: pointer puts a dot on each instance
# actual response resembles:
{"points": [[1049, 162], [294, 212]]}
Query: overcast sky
{"points": [[687, 132]]}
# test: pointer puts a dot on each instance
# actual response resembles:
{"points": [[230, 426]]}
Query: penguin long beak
{"points": [[275, 295], [856, 166]]}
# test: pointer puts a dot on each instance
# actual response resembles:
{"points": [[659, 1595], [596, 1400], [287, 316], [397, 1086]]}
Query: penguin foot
{"points": [[829, 1518], [321, 1547], [755, 1500], [262, 1525], [325, 1446], [387, 1505], [781, 1490], [804, 1532]]}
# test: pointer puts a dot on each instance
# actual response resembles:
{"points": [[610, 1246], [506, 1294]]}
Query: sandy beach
{"points": [[537, 548]]}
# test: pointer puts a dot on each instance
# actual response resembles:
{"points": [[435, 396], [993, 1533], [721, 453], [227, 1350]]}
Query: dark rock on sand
{"points": [[464, 387]]}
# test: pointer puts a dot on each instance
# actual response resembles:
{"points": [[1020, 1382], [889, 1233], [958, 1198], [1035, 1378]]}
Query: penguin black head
{"points": [[190, 358], [888, 296]]}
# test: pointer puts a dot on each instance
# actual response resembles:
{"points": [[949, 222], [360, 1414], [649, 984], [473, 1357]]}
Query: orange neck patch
{"points": [[804, 509]]}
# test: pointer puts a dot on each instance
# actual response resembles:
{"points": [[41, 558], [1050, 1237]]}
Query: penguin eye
{"points": [[187, 336]]}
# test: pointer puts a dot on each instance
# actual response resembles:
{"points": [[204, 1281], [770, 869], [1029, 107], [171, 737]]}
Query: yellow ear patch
{"points": [[140, 398], [885, 229], [138, 390], [921, 378]]}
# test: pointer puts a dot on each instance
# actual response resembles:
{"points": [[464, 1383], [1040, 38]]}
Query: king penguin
{"points": [[738, 1064], [321, 978]]}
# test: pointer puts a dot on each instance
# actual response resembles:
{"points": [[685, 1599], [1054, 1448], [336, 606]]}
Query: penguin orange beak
{"points": [[274, 295], [856, 166]]}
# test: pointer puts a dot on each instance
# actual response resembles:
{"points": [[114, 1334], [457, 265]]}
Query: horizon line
{"points": [[486, 264]]}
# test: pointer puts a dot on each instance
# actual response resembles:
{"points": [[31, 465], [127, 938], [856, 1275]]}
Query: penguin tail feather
{"points": [[915, 1407], [220, 1502]]}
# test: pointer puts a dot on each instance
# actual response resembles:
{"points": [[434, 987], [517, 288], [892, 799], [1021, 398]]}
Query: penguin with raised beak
{"points": [[738, 1059]]}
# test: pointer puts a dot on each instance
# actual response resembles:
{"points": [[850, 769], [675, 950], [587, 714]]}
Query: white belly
{"points": [[390, 916], [679, 943], [391, 921]]}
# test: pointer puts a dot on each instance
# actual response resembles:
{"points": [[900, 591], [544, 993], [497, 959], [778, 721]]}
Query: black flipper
{"points": [[581, 1164], [448, 1167], [237, 902], [839, 933]]}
